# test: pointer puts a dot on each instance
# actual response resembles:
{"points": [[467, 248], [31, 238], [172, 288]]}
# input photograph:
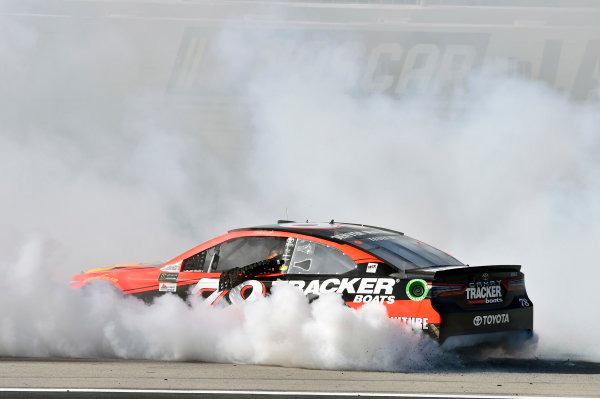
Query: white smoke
{"points": [[505, 172], [43, 318]]}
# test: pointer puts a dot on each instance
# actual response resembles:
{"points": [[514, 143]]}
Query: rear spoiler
{"points": [[479, 269], [451, 270]]}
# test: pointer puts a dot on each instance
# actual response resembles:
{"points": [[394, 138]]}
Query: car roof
{"points": [[346, 233], [391, 246]]}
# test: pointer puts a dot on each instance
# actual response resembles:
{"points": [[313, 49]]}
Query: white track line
{"points": [[282, 393]]}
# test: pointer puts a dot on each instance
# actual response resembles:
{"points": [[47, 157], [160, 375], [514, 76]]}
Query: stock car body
{"points": [[417, 283]]}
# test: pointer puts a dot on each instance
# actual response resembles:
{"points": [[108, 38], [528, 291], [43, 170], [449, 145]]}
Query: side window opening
{"points": [[194, 263], [245, 251], [199, 262], [313, 258], [300, 256]]}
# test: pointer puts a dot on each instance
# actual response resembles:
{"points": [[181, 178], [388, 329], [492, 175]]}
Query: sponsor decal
{"points": [[171, 268], [398, 63], [417, 289], [361, 233], [484, 292], [489, 320], [484, 283], [392, 63], [368, 285], [374, 299], [372, 267], [167, 287], [168, 276], [417, 322]]}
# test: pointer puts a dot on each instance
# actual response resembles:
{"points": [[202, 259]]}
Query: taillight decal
{"points": [[514, 284], [447, 289]]}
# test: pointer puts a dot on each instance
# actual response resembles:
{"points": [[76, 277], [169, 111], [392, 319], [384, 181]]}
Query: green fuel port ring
{"points": [[417, 289]]}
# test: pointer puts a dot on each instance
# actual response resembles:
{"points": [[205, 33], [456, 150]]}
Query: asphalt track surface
{"points": [[93, 378]]}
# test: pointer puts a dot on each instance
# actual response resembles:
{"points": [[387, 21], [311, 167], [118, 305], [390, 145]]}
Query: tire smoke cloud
{"points": [[503, 170], [282, 329]]}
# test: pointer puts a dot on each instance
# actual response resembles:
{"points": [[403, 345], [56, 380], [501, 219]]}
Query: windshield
{"points": [[405, 252]]}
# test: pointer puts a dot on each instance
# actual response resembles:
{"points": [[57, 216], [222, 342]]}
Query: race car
{"points": [[417, 283]]}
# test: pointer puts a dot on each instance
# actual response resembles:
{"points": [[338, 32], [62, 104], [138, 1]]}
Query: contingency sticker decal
{"points": [[167, 287], [372, 268], [168, 277]]}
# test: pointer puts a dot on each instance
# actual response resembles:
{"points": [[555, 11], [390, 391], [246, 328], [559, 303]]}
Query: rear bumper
{"points": [[485, 322], [511, 342]]}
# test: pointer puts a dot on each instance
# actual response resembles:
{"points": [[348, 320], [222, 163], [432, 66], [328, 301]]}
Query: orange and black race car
{"points": [[417, 283]]}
